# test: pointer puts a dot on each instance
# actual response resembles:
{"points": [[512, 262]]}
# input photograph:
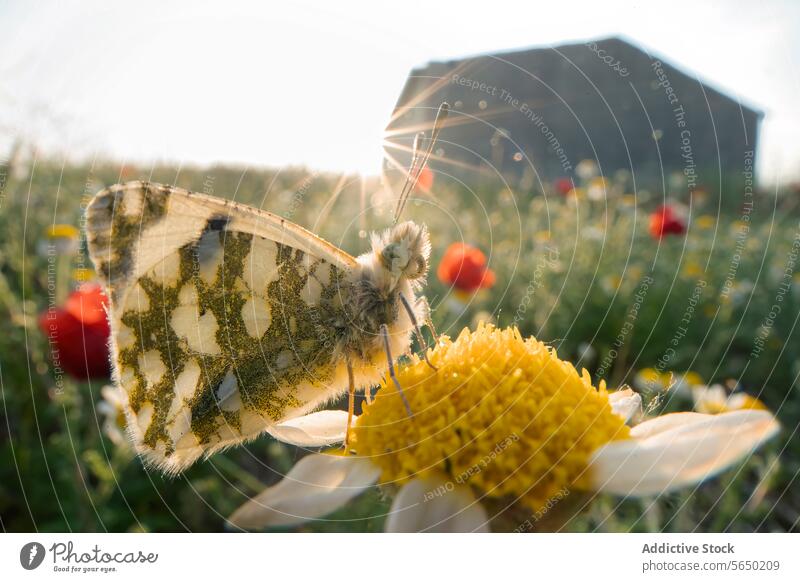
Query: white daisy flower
{"points": [[715, 399], [60, 239], [503, 421], [112, 408]]}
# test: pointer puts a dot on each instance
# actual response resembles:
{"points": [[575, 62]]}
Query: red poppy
{"points": [[425, 180], [564, 186], [664, 221], [127, 172], [78, 333], [464, 267]]}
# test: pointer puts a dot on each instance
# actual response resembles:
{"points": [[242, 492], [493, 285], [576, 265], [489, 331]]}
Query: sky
{"points": [[301, 83]]}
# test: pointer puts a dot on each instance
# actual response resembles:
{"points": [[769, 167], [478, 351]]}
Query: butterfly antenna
{"points": [[410, 180], [417, 163]]}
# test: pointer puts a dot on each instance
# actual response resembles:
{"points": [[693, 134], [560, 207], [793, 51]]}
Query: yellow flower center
{"points": [[63, 231], [502, 415]]}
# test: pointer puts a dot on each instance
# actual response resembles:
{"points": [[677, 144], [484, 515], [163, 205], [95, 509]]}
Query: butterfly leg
{"points": [[428, 319], [385, 334], [423, 344], [430, 326], [351, 400]]}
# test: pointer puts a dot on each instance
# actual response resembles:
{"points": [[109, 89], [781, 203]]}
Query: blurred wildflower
{"points": [[739, 228], [699, 196], [78, 333], [665, 221], [716, 400], [738, 293], [577, 193], [691, 378], [425, 181], [587, 169], [706, 222], [650, 380], [683, 384], [542, 236], [594, 233], [464, 268], [754, 243], [128, 173], [482, 317], [676, 180], [83, 275], [503, 422], [60, 239], [112, 408], [564, 185], [692, 269], [611, 283], [597, 188]]}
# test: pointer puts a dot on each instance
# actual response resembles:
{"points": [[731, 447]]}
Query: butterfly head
{"points": [[403, 253]]}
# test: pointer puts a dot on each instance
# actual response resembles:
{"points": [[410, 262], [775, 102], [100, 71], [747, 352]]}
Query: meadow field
{"points": [[671, 301]]}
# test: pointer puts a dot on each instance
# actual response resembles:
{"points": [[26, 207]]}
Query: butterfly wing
{"points": [[222, 317]]}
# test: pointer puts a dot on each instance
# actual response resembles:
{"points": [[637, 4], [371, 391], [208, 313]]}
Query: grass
{"points": [[574, 272]]}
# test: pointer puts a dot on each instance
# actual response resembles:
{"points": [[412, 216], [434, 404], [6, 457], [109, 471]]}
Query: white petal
{"points": [[113, 395], [678, 450], [434, 505], [316, 486], [318, 429], [666, 422], [625, 403], [710, 398], [738, 400], [104, 408]]}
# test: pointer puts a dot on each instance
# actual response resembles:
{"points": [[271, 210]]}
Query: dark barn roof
{"points": [[534, 114]]}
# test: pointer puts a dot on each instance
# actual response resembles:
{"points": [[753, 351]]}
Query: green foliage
{"points": [[572, 272]]}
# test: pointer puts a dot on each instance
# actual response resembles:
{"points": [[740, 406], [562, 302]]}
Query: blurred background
{"points": [[621, 181]]}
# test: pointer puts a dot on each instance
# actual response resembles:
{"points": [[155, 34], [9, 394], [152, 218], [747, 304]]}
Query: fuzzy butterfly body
{"points": [[227, 320]]}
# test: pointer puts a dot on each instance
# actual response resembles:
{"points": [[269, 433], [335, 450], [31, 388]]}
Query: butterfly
{"points": [[228, 321]]}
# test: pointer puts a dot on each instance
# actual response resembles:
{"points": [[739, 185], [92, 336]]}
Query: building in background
{"points": [[532, 115]]}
